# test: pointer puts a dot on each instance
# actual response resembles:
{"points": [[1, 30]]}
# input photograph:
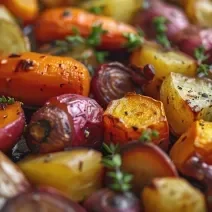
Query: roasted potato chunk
{"points": [[125, 119], [77, 173], [172, 195], [164, 61], [120, 10], [184, 98], [196, 140], [6, 14], [199, 12]]}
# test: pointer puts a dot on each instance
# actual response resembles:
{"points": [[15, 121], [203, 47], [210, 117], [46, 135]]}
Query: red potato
{"points": [[193, 37], [106, 200], [12, 180], [66, 121], [40, 200], [12, 122], [175, 17], [146, 161]]}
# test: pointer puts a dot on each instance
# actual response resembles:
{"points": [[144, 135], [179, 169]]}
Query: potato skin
{"points": [[77, 173], [164, 61], [172, 195], [12, 122], [195, 141], [34, 78], [184, 98], [125, 119], [53, 25]]}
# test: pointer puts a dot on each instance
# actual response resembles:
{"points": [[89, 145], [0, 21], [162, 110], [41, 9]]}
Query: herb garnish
{"points": [[92, 41], [134, 41], [7, 100], [148, 135], [96, 10], [159, 23], [201, 57], [113, 161]]}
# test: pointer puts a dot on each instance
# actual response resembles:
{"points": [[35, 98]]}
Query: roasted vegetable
{"points": [[66, 121], [40, 200], [193, 37], [106, 200], [120, 10], [65, 19], [34, 78], [199, 12], [172, 195], [125, 119], [164, 61], [27, 10], [11, 39], [145, 161], [196, 140], [12, 180], [77, 173], [183, 98], [5, 14], [111, 81], [57, 3], [175, 18], [12, 123]]}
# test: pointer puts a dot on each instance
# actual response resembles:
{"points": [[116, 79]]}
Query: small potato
{"points": [[164, 61], [5, 14], [77, 173], [120, 10], [199, 12], [196, 140], [184, 98], [125, 119], [172, 195]]}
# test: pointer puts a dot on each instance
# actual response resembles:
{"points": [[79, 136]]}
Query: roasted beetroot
{"points": [[176, 19], [193, 37], [113, 80], [12, 122], [66, 121], [106, 200], [40, 200]]}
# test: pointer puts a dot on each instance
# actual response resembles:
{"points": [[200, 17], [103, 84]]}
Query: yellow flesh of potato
{"points": [[163, 61], [172, 195], [77, 173], [184, 98]]}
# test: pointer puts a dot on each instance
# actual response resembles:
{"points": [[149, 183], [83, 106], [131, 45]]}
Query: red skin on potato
{"points": [[12, 122]]}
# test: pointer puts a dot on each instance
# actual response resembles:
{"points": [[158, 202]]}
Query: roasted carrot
{"points": [[33, 78], [26, 10], [58, 23]]}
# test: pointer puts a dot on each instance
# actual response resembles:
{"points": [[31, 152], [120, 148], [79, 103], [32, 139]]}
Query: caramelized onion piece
{"points": [[41, 201], [49, 130], [106, 200]]}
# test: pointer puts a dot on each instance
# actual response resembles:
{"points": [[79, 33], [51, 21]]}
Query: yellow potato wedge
{"points": [[196, 140], [125, 119], [12, 41], [199, 12], [164, 61], [76, 173], [172, 195], [6, 14], [184, 98], [120, 10]]}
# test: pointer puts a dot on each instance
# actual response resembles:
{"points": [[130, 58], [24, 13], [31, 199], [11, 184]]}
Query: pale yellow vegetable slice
{"points": [[6, 14]]}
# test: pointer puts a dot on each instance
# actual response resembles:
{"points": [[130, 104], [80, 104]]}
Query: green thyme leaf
{"points": [[100, 56], [97, 10], [134, 41], [7, 100], [159, 23], [148, 135]]}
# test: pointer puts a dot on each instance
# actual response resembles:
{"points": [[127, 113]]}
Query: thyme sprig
{"points": [[159, 23], [134, 41], [92, 41], [148, 135], [121, 181], [96, 10], [7, 100], [201, 57]]}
